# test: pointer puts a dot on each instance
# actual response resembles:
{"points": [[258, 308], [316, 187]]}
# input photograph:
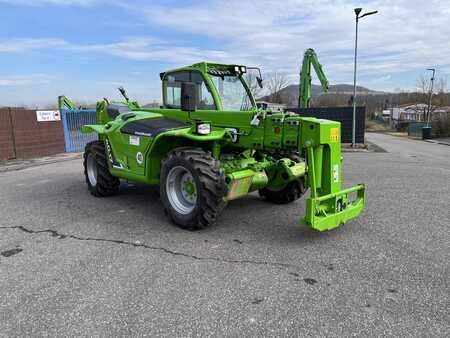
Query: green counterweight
{"points": [[209, 144]]}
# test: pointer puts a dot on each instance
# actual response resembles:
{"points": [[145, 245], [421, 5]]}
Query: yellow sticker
{"points": [[334, 135]]}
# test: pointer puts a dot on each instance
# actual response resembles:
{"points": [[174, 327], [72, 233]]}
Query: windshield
{"points": [[232, 92]]}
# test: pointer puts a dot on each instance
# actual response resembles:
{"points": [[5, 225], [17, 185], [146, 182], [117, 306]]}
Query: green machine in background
{"points": [[209, 144], [304, 95]]}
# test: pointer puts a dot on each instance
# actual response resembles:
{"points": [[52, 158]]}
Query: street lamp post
{"points": [[357, 12], [430, 95]]}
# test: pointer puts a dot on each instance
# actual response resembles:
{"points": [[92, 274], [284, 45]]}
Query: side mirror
{"points": [[260, 82], [188, 96]]}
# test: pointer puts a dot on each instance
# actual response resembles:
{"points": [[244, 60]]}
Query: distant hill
{"points": [[153, 104], [317, 90], [289, 94]]}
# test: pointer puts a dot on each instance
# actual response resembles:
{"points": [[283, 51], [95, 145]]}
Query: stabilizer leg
{"points": [[329, 206]]}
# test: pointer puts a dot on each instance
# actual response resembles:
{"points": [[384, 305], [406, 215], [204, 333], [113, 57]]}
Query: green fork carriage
{"points": [[209, 144]]}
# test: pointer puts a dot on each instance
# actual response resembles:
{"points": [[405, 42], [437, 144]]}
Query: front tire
{"points": [[192, 188], [98, 178]]}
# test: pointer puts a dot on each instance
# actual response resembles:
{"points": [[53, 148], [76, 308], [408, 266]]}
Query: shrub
{"points": [[441, 126]]}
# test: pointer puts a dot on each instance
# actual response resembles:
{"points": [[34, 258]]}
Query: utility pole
{"points": [[430, 95], [357, 12]]}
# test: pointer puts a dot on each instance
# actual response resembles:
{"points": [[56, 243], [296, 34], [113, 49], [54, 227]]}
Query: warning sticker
{"points": [[336, 173], [134, 140], [48, 115], [139, 158], [334, 135]]}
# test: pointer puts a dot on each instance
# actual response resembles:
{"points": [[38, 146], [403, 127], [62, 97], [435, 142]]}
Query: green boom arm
{"points": [[310, 58], [65, 103]]}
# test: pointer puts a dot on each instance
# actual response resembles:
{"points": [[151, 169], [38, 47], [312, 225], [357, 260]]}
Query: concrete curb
{"points": [[357, 150], [438, 142], [14, 165]]}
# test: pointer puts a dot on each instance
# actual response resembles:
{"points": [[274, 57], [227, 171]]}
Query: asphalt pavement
{"points": [[72, 264]]}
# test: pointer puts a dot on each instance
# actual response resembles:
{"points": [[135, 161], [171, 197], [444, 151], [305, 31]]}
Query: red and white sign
{"points": [[48, 115]]}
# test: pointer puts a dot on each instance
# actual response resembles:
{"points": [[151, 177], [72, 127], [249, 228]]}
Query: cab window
{"points": [[233, 95], [172, 84]]}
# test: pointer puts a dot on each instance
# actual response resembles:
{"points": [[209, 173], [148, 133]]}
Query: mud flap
{"points": [[330, 211]]}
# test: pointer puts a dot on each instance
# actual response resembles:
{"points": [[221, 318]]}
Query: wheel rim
{"points": [[181, 190], [91, 168]]}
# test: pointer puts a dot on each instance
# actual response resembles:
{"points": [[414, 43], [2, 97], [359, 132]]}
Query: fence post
{"points": [[13, 136], [65, 129]]}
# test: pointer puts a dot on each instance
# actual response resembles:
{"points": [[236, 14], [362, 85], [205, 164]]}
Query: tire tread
{"points": [[212, 180], [107, 185]]}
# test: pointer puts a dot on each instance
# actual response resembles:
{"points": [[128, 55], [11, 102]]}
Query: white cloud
{"points": [[81, 3], [23, 45], [24, 80], [138, 48], [406, 35], [150, 49]]}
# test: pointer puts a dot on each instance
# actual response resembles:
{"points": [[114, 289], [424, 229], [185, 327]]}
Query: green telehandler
{"points": [[209, 144]]}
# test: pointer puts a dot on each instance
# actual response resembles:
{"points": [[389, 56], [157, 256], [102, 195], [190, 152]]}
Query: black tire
{"points": [[208, 180], [289, 193], [104, 184]]}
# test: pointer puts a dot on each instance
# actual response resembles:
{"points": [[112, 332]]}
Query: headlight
{"points": [[243, 69], [236, 69], [203, 128]]}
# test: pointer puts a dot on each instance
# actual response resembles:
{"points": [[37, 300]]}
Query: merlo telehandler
{"points": [[209, 144]]}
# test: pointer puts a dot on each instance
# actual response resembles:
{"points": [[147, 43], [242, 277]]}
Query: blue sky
{"points": [[85, 49]]}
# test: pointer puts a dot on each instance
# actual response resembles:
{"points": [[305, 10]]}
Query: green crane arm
{"points": [[310, 58], [65, 103]]}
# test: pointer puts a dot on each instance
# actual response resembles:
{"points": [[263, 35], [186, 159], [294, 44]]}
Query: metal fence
{"points": [[415, 128], [73, 120]]}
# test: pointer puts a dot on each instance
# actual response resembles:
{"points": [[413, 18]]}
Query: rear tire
{"points": [[192, 188], [289, 193], [98, 178]]}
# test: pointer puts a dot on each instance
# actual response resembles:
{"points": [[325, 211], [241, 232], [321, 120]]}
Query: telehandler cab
{"points": [[208, 144]]}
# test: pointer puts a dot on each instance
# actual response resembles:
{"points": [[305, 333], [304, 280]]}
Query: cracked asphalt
{"points": [[72, 264]]}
